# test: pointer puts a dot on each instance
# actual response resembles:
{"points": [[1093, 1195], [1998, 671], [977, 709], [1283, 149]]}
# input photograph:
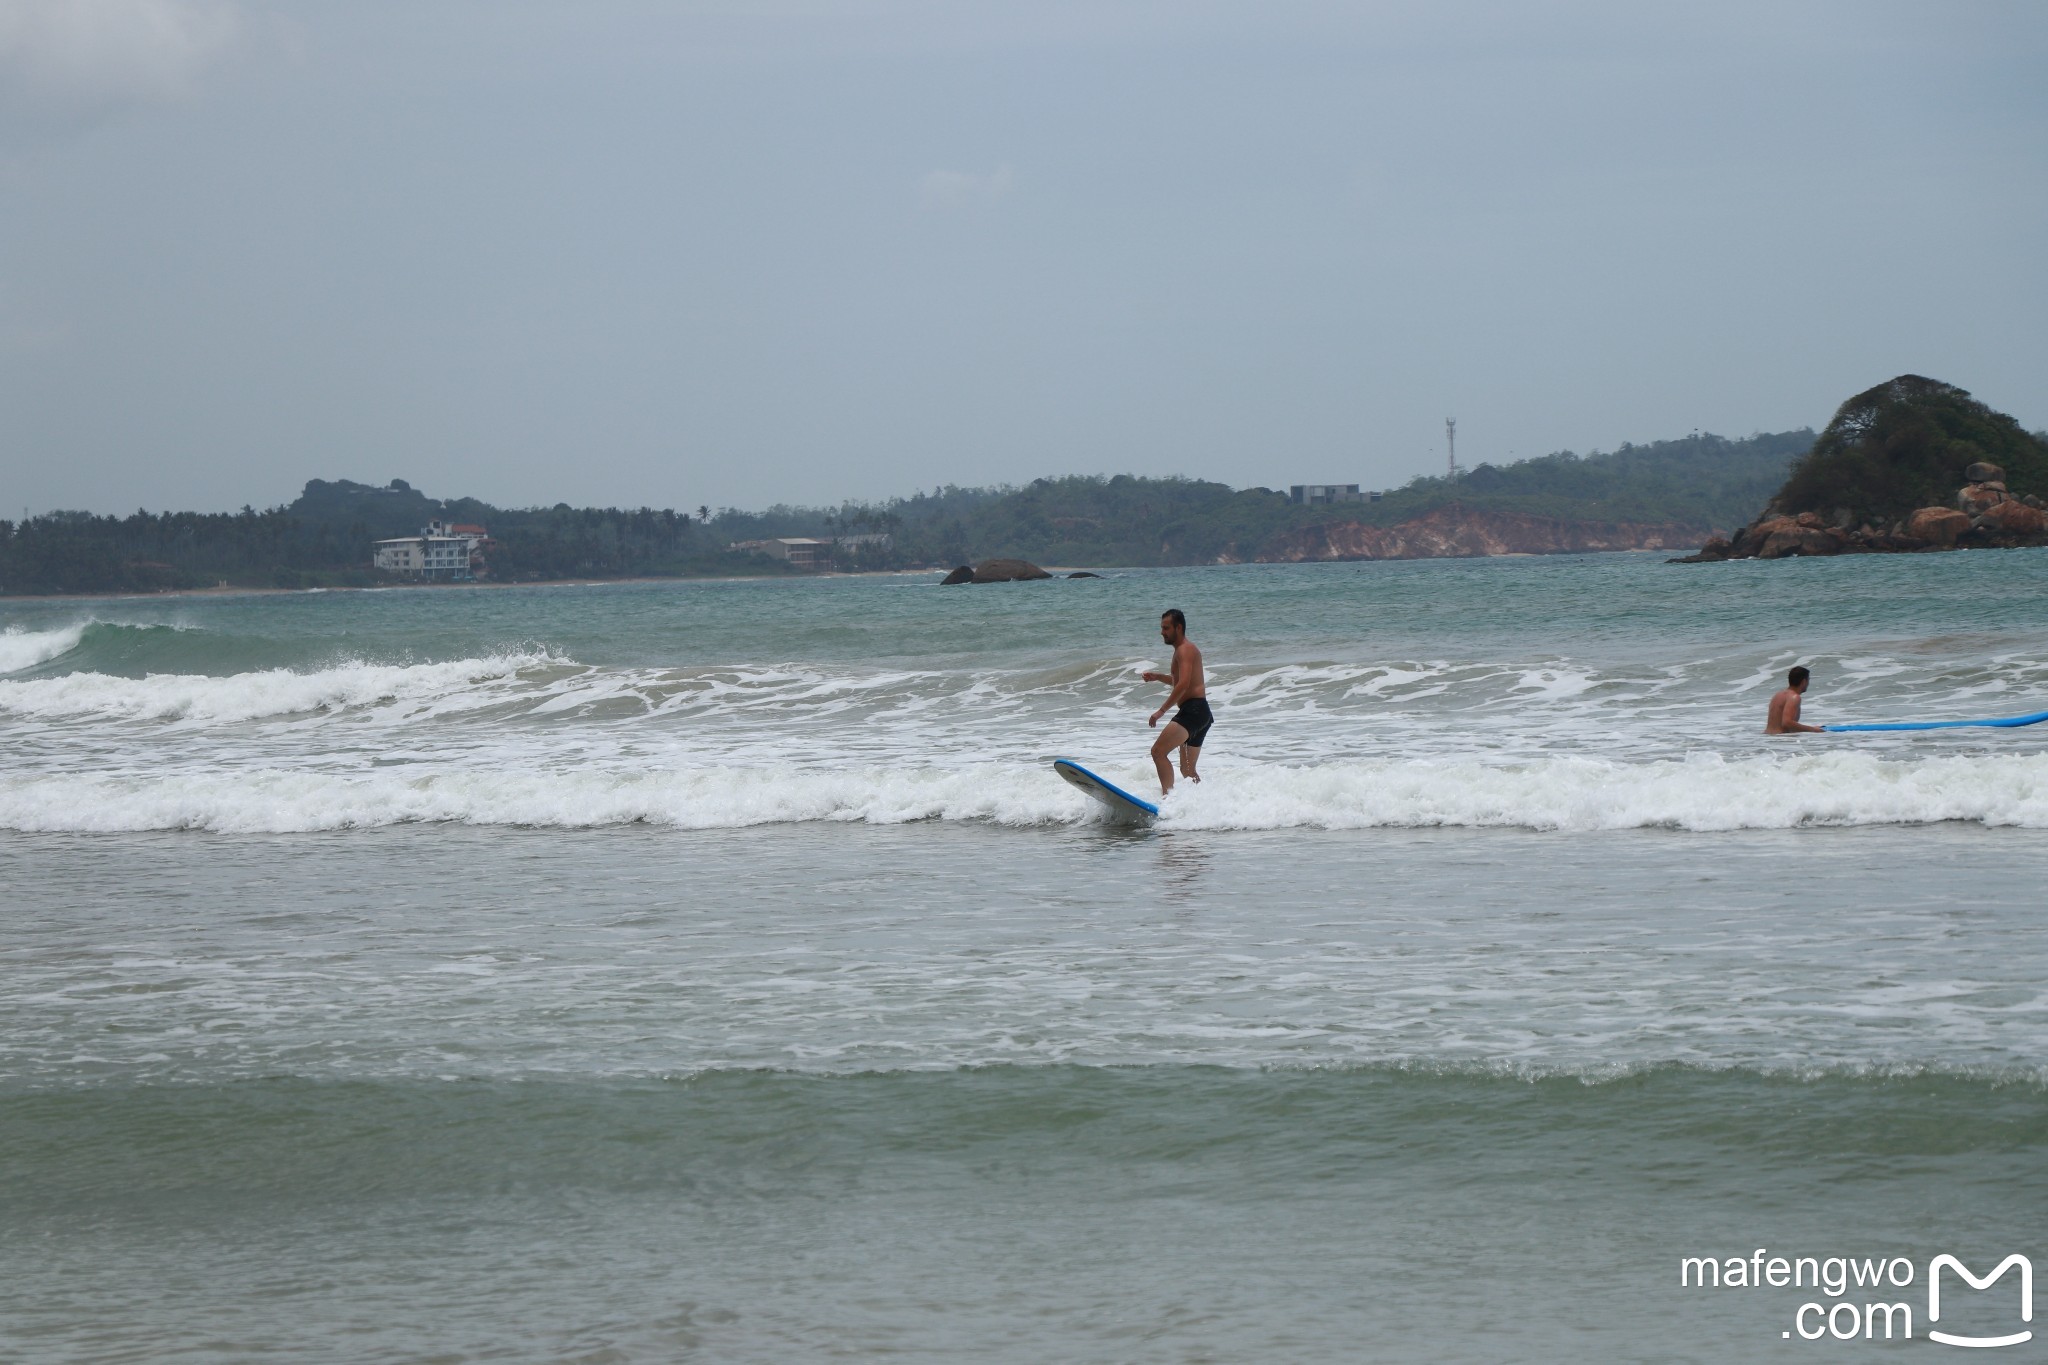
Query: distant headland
{"points": [[341, 533], [1911, 466]]}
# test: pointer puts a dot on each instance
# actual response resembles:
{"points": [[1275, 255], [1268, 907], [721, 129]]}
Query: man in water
{"points": [[1191, 723], [1783, 718]]}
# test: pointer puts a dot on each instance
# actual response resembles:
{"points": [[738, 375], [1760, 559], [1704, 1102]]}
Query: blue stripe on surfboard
{"points": [[2008, 723], [1104, 783]]}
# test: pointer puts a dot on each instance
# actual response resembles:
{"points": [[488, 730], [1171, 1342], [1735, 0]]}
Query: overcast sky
{"points": [[619, 251]]}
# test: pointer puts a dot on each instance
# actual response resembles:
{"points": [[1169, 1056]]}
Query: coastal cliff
{"points": [[1454, 532]]}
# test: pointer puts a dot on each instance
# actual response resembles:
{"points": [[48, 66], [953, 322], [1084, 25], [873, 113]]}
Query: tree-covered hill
{"points": [[323, 539], [1704, 482], [1904, 445]]}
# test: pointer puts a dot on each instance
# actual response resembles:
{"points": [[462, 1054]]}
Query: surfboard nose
{"points": [[1122, 805]]}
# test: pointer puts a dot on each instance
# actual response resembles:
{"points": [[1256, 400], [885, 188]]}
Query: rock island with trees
{"points": [[1912, 465]]}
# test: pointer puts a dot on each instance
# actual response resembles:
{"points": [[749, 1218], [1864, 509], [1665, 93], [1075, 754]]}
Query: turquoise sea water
{"points": [[716, 971]]}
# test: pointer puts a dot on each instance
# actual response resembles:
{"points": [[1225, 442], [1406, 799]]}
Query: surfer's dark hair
{"points": [[1797, 675], [1175, 615]]}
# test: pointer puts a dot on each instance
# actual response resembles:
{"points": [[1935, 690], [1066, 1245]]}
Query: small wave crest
{"points": [[1702, 793], [254, 696], [21, 649]]}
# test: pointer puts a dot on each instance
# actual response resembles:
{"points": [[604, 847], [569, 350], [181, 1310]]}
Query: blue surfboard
{"points": [[2007, 723], [1124, 808]]}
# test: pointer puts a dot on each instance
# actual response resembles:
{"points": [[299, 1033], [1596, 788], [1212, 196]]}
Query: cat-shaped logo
{"points": [[1934, 1298]]}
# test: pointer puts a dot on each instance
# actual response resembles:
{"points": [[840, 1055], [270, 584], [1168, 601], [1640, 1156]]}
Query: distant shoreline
{"points": [[1057, 571], [463, 585]]}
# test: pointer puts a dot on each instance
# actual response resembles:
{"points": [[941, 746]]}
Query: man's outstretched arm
{"points": [[1183, 681]]}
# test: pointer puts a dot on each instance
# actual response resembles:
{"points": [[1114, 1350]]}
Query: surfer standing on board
{"points": [[1190, 724], [1783, 718]]}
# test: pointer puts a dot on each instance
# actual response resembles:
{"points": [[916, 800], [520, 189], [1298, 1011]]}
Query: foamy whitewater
{"points": [[717, 970], [702, 706]]}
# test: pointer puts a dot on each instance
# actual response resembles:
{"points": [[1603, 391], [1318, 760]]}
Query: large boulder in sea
{"points": [[1937, 525], [1784, 537], [1007, 571], [2012, 518], [963, 574], [1974, 500]]}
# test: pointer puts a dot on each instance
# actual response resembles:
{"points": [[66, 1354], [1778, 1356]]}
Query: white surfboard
{"points": [[1123, 807]]}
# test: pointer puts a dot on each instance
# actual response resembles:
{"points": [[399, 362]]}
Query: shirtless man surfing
{"points": [[1783, 717], [1190, 724]]}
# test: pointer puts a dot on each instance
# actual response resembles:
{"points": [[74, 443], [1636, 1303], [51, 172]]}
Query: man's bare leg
{"points": [[1172, 737], [1188, 755]]}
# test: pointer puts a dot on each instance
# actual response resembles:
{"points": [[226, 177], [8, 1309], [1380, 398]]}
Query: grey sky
{"points": [[740, 253]]}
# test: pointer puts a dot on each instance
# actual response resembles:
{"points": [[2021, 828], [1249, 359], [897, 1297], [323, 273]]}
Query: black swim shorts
{"points": [[1194, 717]]}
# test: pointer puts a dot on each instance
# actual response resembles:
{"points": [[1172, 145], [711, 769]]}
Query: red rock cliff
{"points": [[1457, 533]]}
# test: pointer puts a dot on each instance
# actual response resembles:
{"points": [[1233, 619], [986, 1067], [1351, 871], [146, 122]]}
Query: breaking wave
{"points": [[258, 695], [21, 649], [1705, 792], [1273, 712]]}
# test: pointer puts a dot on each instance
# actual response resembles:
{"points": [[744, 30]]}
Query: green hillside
{"points": [[1701, 480], [1706, 482]]}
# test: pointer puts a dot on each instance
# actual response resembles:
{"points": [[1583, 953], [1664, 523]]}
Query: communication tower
{"points": [[1451, 443]]}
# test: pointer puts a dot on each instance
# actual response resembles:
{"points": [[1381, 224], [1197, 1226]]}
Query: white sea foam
{"points": [[528, 736], [1701, 792], [1544, 702], [1706, 792], [21, 649], [715, 798]]}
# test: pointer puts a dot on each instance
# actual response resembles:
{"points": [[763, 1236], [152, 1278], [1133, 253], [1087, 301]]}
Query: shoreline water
{"points": [[1062, 1095]]}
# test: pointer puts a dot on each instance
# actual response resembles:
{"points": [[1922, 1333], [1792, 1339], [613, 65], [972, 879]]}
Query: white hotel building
{"points": [[441, 550]]}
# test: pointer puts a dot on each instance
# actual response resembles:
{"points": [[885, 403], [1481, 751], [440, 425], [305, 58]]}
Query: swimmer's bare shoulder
{"points": [[1783, 717]]}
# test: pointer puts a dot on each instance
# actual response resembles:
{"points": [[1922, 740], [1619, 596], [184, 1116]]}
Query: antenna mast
{"points": [[1451, 443]]}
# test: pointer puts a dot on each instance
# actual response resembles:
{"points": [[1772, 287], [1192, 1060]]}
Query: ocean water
{"points": [[717, 970]]}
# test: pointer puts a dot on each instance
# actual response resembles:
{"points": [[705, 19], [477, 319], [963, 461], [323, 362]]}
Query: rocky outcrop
{"points": [[1783, 537], [1975, 499], [1937, 525], [2013, 518], [1452, 532], [995, 571], [1986, 515]]}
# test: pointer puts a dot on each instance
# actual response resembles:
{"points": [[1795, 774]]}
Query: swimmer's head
{"points": [[1796, 679]]}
